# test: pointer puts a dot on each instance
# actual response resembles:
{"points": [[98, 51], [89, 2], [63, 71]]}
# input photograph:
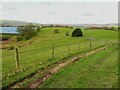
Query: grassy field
{"points": [[35, 53], [96, 71]]}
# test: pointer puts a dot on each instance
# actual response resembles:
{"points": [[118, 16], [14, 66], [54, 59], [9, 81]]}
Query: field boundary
{"points": [[49, 66], [39, 81]]}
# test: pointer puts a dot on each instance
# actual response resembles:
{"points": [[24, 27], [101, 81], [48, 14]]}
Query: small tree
{"points": [[51, 25], [113, 28], [38, 28], [77, 33], [67, 33], [27, 31], [56, 31], [118, 28], [18, 38]]}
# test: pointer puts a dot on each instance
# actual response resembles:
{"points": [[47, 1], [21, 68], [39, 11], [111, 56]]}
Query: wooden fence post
{"points": [[53, 53], [17, 58], [90, 43]]}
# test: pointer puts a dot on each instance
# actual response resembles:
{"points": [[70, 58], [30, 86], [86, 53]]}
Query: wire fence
{"points": [[25, 58], [78, 46]]}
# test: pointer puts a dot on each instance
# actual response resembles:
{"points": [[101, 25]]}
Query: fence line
{"points": [[77, 46], [55, 45]]}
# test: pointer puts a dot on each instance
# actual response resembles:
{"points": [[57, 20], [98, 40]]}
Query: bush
{"points": [[18, 38], [11, 47], [67, 34], [26, 31], [77, 33], [38, 28], [56, 31]]}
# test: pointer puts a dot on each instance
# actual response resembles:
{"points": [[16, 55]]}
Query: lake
{"points": [[9, 30]]}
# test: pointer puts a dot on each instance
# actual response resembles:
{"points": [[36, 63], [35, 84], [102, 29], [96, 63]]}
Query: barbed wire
{"points": [[56, 46]]}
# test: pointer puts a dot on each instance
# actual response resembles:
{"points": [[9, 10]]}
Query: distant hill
{"points": [[14, 23], [92, 25], [19, 23], [85, 25]]}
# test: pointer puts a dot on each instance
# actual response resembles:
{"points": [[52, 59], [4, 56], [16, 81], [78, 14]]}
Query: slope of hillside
{"points": [[96, 71], [36, 52], [14, 23]]}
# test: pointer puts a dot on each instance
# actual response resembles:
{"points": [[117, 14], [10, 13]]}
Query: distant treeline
{"points": [[12, 25], [57, 26], [43, 26], [103, 28]]}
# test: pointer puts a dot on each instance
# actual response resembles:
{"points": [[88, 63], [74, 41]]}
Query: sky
{"points": [[61, 12]]}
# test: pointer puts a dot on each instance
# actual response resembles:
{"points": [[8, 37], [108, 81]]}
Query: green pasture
{"points": [[96, 71], [35, 53]]}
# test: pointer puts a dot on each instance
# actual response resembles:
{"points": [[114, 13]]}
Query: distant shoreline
{"points": [[9, 33]]}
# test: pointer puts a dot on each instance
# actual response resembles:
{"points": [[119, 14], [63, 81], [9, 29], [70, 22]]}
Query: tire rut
{"points": [[39, 81]]}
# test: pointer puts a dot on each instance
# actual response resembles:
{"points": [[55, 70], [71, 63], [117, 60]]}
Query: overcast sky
{"points": [[61, 12]]}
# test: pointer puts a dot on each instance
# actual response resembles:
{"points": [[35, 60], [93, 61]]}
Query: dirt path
{"points": [[39, 81]]}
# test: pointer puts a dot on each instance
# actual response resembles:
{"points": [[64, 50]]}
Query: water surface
{"points": [[9, 30]]}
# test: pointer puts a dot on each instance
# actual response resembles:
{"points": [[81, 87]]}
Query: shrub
{"points": [[67, 33], [38, 28], [26, 31], [18, 38], [77, 33], [56, 31], [11, 47]]}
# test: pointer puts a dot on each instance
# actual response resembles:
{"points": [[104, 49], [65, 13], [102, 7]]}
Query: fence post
{"points": [[69, 48], [17, 58], [90, 43], [53, 53]]}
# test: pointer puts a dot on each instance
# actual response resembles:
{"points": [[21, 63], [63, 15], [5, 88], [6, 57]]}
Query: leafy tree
{"points": [[51, 25], [112, 28], [26, 31], [38, 28], [56, 31], [77, 33], [67, 33]]}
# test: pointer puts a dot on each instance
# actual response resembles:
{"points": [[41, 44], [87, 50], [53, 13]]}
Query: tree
{"points": [[77, 33], [119, 28], [51, 25], [113, 28], [38, 28], [27, 31], [67, 33], [56, 31]]}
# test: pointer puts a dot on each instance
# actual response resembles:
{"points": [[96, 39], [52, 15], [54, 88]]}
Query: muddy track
{"points": [[39, 81]]}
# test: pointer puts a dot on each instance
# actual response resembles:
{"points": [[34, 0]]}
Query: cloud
{"points": [[62, 12]]}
